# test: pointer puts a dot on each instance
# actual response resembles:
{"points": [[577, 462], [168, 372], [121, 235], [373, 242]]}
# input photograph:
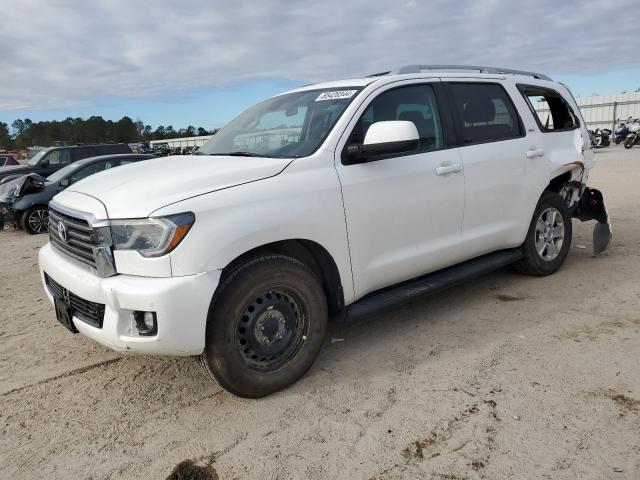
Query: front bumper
{"points": [[6, 214], [181, 305]]}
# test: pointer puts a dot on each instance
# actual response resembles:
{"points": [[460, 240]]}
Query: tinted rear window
{"points": [[485, 113]]}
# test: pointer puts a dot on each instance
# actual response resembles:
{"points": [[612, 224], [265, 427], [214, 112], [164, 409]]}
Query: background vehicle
{"points": [[633, 137], [49, 160], [621, 131], [600, 137], [31, 194], [331, 200], [8, 159]]}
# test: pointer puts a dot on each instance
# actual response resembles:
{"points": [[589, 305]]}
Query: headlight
{"points": [[151, 237]]}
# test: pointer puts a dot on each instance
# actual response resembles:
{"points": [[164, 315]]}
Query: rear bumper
{"points": [[181, 305], [591, 207]]}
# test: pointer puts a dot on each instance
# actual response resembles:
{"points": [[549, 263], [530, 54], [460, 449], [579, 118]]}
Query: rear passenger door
{"points": [[493, 147]]}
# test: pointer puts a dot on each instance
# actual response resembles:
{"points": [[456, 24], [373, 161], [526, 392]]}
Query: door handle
{"points": [[444, 169], [535, 153]]}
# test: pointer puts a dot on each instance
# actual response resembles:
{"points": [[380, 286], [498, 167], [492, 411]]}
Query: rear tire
{"points": [[265, 327], [549, 237], [35, 220]]}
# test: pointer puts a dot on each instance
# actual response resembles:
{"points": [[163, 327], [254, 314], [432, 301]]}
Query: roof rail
{"points": [[493, 70]]}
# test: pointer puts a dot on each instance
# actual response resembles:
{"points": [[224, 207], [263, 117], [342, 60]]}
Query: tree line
{"points": [[92, 130]]}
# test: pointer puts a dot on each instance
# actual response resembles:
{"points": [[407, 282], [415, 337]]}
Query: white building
{"points": [[182, 142], [604, 111]]}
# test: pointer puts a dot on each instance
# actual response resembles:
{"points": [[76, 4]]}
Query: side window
{"points": [[84, 152], [416, 103], [59, 157], [90, 170], [127, 161], [550, 110], [485, 113]]}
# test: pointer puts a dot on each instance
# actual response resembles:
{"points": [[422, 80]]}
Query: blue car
{"points": [[25, 199]]}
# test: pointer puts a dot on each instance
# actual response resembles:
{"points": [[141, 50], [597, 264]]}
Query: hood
{"points": [[138, 189], [21, 186]]}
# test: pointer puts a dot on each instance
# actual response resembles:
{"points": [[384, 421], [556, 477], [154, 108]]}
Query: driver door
{"points": [[404, 211], [54, 161]]}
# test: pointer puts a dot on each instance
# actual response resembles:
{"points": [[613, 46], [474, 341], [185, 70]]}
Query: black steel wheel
{"points": [[265, 327], [272, 329]]}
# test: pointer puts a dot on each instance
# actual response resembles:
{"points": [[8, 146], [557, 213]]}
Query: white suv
{"points": [[331, 200]]}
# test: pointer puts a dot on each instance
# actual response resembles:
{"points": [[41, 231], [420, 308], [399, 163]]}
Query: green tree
{"points": [[159, 133], [5, 138]]}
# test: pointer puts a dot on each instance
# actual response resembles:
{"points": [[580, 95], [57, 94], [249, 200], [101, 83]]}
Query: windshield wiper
{"points": [[239, 154]]}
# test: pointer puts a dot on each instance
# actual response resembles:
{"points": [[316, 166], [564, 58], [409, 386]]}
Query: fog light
{"points": [[146, 323]]}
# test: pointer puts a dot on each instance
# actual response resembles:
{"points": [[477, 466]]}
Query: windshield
{"points": [[63, 172], [36, 158], [286, 126]]}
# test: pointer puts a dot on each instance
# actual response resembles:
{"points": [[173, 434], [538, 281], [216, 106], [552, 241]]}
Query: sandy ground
{"points": [[506, 377]]}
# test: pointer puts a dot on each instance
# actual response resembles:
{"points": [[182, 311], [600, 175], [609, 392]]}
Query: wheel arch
{"points": [[312, 254]]}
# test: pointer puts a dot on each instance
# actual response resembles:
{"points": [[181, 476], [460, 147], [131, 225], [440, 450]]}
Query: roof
{"points": [[427, 71]]}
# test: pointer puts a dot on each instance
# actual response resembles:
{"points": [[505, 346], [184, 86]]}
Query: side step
{"points": [[433, 282]]}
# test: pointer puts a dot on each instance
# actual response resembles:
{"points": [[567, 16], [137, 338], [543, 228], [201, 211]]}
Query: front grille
{"points": [[80, 237], [89, 312]]}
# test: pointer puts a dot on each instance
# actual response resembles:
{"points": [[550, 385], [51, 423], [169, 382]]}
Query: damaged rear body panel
{"points": [[570, 173], [586, 203]]}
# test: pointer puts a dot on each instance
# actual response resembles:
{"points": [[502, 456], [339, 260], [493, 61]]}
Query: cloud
{"points": [[57, 54]]}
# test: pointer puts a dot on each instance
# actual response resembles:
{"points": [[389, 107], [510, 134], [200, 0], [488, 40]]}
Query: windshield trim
{"points": [[358, 91]]}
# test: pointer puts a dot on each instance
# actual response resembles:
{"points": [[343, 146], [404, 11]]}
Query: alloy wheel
{"points": [[39, 221], [549, 235]]}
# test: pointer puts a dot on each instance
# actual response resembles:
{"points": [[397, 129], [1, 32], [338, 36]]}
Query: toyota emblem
{"points": [[62, 232]]}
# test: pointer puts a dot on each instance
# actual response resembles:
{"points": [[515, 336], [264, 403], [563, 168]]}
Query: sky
{"points": [[201, 63]]}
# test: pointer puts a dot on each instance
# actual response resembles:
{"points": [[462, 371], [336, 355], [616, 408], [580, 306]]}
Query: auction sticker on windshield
{"points": [[336, 95]]}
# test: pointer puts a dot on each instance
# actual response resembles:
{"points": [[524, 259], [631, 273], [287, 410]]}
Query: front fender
{"points": [[303, 203]]}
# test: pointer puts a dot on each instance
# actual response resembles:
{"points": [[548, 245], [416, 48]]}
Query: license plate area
{"points": [[64, 314]]}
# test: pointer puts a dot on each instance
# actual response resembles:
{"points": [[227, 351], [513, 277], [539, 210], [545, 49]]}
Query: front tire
{"points": [[265, 327], [549, 237], [629, 142], [35, 220]]}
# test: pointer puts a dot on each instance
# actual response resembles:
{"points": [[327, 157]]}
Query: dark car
{"points": [[8, 159], [49, 160], [26, 199]]}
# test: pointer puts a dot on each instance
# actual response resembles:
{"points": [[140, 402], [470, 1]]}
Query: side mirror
{"points": [[385, 138], [64, 183]]}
